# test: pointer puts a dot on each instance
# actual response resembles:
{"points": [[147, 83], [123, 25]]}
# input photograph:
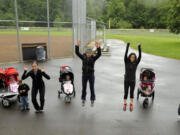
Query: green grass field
{"points": [[40, 31], [37, 33], [160, 43]]}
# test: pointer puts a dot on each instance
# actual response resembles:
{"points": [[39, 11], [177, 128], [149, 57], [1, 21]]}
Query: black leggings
{"points": [[85, 79], [128, 84], [34, 100]]}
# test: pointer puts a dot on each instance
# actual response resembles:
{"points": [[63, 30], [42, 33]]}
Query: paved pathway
{"points": [[106, 117]]}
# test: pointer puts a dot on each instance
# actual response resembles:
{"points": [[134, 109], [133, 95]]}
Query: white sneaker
{"points": [[41, 111], [37, 111], [179, 118]]}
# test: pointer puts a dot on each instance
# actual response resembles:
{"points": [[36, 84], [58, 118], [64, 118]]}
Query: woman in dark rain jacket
{"points": [[131, 64], [37, 85]]}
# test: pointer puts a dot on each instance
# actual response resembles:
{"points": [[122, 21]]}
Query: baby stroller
{"points": [[67, 83], [146, 88], [9, 86]]}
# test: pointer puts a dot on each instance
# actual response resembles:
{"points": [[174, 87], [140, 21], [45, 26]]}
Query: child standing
{"points": [[23, 94]]}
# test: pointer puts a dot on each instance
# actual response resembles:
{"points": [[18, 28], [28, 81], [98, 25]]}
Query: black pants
{"points": [[34, 100], [127, 85], [85, 79]]}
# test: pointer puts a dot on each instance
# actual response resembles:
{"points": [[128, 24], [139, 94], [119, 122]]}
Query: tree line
{"points": [[36, 10], [160, 14]]}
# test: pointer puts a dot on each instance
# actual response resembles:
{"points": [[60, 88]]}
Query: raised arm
{"points": [[44, 73], [78, 53], [139, 58], [25, 74], [98, 51], [77, 50], [126, 53]]}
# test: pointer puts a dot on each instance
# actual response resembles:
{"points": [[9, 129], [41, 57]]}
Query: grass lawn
{"points": [[158, 43], [52, 33]]}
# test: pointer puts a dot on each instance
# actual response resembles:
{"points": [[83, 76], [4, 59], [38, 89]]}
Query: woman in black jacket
{"points": [[131, 64], [37, 85], [88, 60]]}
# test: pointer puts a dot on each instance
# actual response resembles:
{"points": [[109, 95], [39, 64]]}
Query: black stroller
{"points": [[67, 83], [147, 84]]}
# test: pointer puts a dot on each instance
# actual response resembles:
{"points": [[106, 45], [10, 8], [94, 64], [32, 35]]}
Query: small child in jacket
{"points": [[23, 94]]}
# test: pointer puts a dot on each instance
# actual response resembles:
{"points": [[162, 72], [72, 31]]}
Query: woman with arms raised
{"points": [[131, 63], [38, 84]]}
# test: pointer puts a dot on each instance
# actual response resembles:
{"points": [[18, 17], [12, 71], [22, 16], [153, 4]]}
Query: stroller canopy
{"points": [[11, 71], [66, 70], [147, 72], [2, 72]]}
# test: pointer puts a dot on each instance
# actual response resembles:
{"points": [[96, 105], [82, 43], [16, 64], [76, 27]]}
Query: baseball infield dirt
{"points": [[61, 46]]}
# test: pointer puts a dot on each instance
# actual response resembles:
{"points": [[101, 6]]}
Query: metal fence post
{"points": [[48, 23], [104, 35], [79, 22], [74, 24], [17, 29]]}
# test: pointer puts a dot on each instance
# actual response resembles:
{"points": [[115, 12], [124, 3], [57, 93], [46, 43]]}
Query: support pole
{"points": [[74, 24], [17, 29], [104, 34], [48, 23], [79, 22]]}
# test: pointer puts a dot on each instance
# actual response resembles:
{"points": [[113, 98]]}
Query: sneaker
{"points": [[131, 107], [92, 103], [179, 118], [37, 111], [83, 102], [41, 111], [27, 109], [22, 110], [124, 107]]}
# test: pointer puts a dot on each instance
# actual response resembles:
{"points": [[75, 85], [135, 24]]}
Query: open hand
{"points": [[79, 42], [139, 45], [25, 68], [97, 44], [43, 69]]}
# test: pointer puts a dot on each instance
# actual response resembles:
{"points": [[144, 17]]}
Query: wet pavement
{"points": [[107, 116]]}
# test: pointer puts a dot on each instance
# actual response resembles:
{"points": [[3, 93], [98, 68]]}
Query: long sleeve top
{"points": [[36, 77], [131, 67], [88, 63], [23, 90]]}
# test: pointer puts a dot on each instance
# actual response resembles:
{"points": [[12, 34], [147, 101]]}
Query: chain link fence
{"points": [[96, 31], [50, 27]]}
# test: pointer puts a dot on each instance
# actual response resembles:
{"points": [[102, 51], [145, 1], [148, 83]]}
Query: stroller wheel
{"points": [[74, 93], [153, 95], [6, 103], [59, 94], [179, 110], [68, 99], [18, 99], [145, 103], [138, 94]]}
